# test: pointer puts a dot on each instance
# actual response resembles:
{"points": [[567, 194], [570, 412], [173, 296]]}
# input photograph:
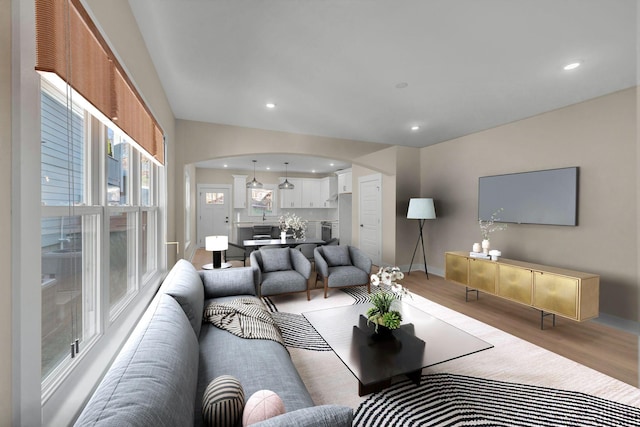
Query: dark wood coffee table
{"points": [[420, 342]]}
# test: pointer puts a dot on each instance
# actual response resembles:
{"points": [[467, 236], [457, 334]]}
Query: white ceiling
{"points": [[275, 163], [333, 66]]}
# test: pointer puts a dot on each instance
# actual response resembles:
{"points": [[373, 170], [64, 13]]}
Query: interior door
{"points": [[214, 212], [370, 215]]}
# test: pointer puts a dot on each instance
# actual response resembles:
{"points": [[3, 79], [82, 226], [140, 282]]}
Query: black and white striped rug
{"points": [[297, 332], [457, 400]]}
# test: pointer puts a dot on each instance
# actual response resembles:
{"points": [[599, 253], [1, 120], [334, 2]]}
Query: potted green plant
{"points": [[381, 315]]}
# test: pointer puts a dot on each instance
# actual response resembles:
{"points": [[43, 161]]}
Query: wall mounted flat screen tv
{"points": [[540, 197]]}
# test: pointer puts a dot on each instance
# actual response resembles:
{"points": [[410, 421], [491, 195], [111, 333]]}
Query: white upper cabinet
{"points": [[310, 193], [329, 192], [240, 191], [291, 198], [344, 181]]}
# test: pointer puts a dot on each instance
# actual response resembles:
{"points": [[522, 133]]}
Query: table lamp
{"points": [[421, 209], [217, 244]]}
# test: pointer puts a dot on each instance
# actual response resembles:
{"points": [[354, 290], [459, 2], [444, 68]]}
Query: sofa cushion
{"points": [[184, 284], [262, 405], [315, 416], [153, 380], [223, 402], [276, 260], [281, 282], [336, 255], [228, 281]]}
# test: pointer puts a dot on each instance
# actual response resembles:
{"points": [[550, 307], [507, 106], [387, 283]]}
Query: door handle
{"points": [[361, 225]]}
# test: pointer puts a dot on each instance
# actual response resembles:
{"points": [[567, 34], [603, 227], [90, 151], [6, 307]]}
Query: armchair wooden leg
{"points": [[326, 286]]}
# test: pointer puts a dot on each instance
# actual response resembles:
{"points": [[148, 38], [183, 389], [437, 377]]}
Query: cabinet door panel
{"points": [[556, 294], [239, 191], [482, 275], [310, 193], [515, 283], [457, 269], [292, 198]]}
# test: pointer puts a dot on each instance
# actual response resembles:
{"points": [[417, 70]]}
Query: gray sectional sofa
{"points": [[160, 375]]}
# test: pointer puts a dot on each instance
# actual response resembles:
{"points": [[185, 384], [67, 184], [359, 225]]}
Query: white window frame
{"points": [[95, 191]]}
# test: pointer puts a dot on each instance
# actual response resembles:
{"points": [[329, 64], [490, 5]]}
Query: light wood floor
{"points": [[611, 351], [605, 349]]}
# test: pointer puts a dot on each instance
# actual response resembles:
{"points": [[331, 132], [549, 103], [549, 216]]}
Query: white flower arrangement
{"points": [[488, 227], [388, 276], [294, 223], [381, 314]]}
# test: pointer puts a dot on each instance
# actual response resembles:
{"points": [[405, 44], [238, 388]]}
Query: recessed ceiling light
{"points": [[415, 128], [572, 66], [224, 166], [331, 164], [313, 171], [270, 105], [268, 168]]}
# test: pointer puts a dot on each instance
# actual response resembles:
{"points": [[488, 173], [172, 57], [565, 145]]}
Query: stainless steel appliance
{"points": [[325, 230]]}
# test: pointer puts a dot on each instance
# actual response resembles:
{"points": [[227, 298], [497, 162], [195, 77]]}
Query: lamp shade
{"points": [[421, 209], [216, 243]]}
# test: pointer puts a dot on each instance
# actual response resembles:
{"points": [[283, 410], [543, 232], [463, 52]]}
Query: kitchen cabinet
{"points": [[291, 199], [329, 192], [308, 193], [344, 181], [240, 191], [311, 193]]}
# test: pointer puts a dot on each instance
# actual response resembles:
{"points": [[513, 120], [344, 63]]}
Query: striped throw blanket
{"points": [[244, 317]]}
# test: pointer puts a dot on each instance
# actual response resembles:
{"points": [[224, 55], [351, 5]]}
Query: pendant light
{"points": [[254, 183], [286, 185]]}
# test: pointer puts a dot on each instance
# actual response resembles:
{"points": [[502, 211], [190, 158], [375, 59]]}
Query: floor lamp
{"points": [[217, 244], [421, 209]]}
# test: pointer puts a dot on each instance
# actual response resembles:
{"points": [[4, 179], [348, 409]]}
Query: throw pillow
{"points": [[222, 402], [336, 255], [262, 405], [275, 260]]}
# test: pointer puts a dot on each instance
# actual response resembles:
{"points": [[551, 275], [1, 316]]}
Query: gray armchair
{"points": [[236, 252], [342, 266], [280, 271]]}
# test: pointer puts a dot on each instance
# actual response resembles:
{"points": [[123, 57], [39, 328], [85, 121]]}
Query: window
{"points": [[122, 265], [262, 201], [214, 198], [68, 235], [62, 180], [118, 153], [69, 244], [98, 230]]}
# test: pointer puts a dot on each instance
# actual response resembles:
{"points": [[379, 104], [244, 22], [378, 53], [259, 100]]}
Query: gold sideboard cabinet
{"points": [[567, 293], [482, 275]]}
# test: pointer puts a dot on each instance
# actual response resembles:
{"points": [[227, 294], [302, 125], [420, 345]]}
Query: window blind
{"points": [[69, 44]]}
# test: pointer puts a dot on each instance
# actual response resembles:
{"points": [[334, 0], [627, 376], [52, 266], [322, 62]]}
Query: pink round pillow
{"points": [[262, 405]]}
